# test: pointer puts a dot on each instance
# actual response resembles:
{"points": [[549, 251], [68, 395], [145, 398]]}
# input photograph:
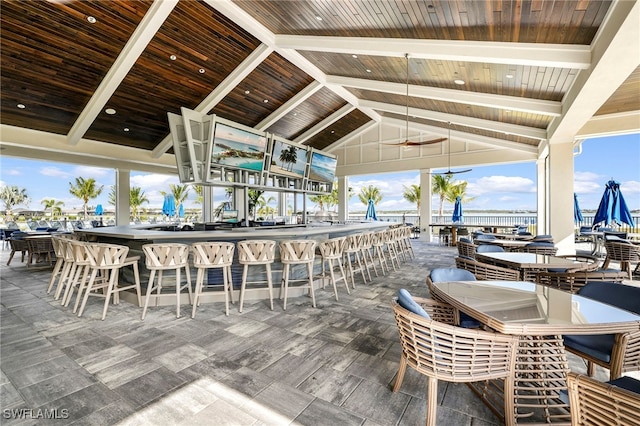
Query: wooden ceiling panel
{"points": [[527, 21], [53, 58], [275, 80], [626, 98], [341, 128], [317, 106], [157, 85]]}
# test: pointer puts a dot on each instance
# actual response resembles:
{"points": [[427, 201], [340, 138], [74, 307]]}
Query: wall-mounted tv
{"points": [[323, 167], [238, 146], [230, 216], [288, 158]]}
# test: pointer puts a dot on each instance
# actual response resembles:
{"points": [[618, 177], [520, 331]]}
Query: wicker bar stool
{"points": [[59, 247], [166, 257], [109, 259], [377, 240], [81, 266], [332, 250], [353, 247], [366, 247], [68, 267], [297, 252], [213, 255], [255, 253]]}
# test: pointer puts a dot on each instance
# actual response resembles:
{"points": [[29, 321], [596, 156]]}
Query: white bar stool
{"points": [[166, 257], [212, 255], [332, 250], [352, 247], [297, 252], [390, 243], [367, 257], [63, 263], [109, 259], [254, 253], [377, 240]]}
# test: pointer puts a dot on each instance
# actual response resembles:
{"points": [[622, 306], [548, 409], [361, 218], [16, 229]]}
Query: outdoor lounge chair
{"points": [[466, 248], [454, 274], [442, 351], [617, 352], [624, 252]]}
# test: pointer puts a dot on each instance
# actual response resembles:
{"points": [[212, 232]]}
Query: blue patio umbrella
{"points": [[613, 208], [371, 211], [169, 206], [577, 213], [181, 210], [99, 210], [457, 210]]}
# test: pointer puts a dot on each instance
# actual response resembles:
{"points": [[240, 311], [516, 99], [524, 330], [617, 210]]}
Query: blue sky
{"points": [[507, 187]]}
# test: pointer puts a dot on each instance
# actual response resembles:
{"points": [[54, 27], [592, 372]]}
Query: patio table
{"points": [[529, 263], [507, 244], [540, 315]]}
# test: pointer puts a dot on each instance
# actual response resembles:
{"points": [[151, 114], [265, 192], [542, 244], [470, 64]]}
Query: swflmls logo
{"points": [[28, 413]]}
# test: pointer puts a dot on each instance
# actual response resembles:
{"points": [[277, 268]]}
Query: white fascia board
{"points": [[489, 100], [244, 20], [479, 123], [325, 123], [611, 124], [290, 105], [149, 26], [532, 54]]}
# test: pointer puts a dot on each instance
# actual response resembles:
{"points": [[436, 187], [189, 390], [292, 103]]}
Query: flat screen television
{"points": [[323, 167], [229, 216], [288, 158], [238, 146]]}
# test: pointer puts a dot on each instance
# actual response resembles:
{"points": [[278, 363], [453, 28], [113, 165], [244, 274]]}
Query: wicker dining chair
{"points": [[603, 403], [624, 252], [573, 281], [466, 248], [539, 248], [485, 271], [446, 352]]}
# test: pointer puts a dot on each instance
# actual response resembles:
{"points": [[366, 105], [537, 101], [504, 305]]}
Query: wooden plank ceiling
{"points": [[56, 54]]}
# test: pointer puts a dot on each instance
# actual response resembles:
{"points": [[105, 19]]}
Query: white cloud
{"points": [[91, 172], [498, 184], [54, 172]]}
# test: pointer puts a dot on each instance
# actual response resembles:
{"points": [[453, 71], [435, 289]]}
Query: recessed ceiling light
{"points": [[91, 19], [126, 129], [110, 111], [509, 75], [368, 70], [295, 114], [319, 18], [201, 70], [266, 101], [173, 57], [21, 106], [354, 56], [246, 92], [333, 131], [458, 81]]}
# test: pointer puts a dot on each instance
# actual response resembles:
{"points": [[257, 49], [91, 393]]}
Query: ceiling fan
{"points": [[407, 142], [450, 172]]}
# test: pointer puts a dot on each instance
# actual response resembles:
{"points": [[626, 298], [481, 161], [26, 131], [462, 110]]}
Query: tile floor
{"points": [[332, 365]]}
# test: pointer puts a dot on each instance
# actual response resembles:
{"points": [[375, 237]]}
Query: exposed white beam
{"points": [[362, 129], [325, 123], [290, 105], [533, 54], [149, 26], [478, 123], [611, 124], [489, 100]]}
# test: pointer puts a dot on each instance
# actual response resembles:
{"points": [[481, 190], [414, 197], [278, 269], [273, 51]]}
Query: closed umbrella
{"points": [[99, 210], [371, 211], [457, 210], [577, 213], [181, 210], [169, 206], [613, 208]]}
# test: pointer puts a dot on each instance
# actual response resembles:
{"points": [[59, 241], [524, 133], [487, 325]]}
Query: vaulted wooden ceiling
{"points": [[313, 71]]}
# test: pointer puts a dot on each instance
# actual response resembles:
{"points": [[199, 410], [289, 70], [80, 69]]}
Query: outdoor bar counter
{"points": [[135, 236]]}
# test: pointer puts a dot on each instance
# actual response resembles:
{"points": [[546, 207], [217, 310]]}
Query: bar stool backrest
{"points": [[105, 256], [297, 251], [353, 243], [332, 248], [166, 255], [212, 253], [256, 252], [79, 252]]}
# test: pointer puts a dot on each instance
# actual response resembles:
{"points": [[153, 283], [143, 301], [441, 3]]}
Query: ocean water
{"points": [[319, 173]]}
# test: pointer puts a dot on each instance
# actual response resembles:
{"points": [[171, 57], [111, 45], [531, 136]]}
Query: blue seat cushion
{"points": [[451, 274], [620, 295], [598, 345], [406, 301], [628, 383]]}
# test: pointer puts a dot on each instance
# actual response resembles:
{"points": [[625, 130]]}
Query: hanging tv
{"points": [[238, 146], [323, 167], [288, 159]]}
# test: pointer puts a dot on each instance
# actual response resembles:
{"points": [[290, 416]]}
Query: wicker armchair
{"points": [[40, 248], [624, 252], [466, 249], [573, 281], [445, 352], [539, 248], [597, 403], [617, 352], [17, 245], [485, 271]]}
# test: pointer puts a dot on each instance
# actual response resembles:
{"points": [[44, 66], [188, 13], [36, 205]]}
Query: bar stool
{"points": [[365, 249], [213, 255], [109, 259], [390, 243], [254, 253], [377, 240], [297, 252], [163, 257], [332, 250], [352, 247], [68, 268], [81, 266], [59, 249]]}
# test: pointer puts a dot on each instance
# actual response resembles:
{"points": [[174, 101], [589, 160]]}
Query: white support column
{"points": [[560, 199], [425, 205], [282, 203], [123, 206], [207, 203], [343, 198], [541, 194]]}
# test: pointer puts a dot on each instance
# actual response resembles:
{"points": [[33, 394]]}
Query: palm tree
{"points": [[264, 208], [86, 190], [12, 196], [440, 186], [137, 197], [412, 195], [289, 156], [55, 206], [370, 193], [458, 189], [321, 200], [199, 190], [180, 193]]}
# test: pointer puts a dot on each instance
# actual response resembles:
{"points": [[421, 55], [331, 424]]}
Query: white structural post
{"points": [[343, 198], [123, 206], [425, 205], [560, 200]]}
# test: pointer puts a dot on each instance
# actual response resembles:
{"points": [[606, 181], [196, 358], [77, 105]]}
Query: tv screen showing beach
{"points": [[323, 167], [288, 159], [234, 147]]}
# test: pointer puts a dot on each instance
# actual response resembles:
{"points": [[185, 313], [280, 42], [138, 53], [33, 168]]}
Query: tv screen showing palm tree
{"points": [[323, 167], [237, 147], [288, 159]]}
